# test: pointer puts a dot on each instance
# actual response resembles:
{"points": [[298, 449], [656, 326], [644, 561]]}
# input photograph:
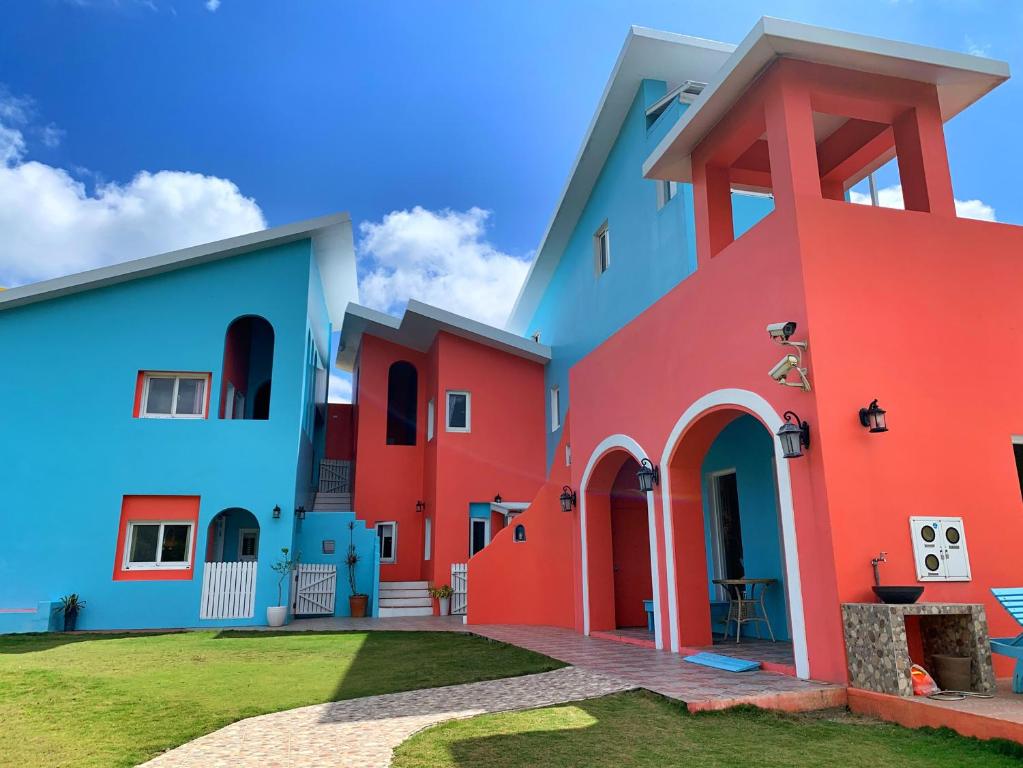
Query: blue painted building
{"points": [[169, 416]]}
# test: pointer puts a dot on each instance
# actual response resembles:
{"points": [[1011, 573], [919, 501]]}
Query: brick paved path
{"points": [[360, 733]]}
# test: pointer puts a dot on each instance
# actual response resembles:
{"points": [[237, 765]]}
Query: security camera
{"points": [[780, 372], [782, 331]]}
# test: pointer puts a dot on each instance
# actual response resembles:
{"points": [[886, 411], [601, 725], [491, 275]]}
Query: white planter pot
{"points": [[277, 615], [445, 605]]}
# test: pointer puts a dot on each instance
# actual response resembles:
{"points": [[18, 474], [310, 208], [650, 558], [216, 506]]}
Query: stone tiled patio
{"points": [[665, 673]]}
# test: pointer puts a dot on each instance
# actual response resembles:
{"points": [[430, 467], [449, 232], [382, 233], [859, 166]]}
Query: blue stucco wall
{"points": [[747, 447], [70, 371], [651, 250], [319, 526]]}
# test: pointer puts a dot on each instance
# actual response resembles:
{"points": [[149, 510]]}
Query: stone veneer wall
{"points": [[877, 649]]}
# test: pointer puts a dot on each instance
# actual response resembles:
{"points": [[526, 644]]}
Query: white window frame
{"points": [[394, 540], [228, 406], [177, 565], [427, 537], [431, 415], [486, 525], [716, 540], [148, 376], [241, 537], [447, 411], [555, 409], [602, 256]]}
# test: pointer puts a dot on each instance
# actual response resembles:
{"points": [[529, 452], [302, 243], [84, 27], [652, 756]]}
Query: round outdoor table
{"points": [[746, 604]]}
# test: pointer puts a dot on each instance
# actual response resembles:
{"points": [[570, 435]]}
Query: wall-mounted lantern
{"points": [[568, 499], [300, 513], [648, 476], [277, 512], [873, 417], [794, 437], [420, 506], [498, 499]]}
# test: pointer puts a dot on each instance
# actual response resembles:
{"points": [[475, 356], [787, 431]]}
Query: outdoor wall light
{"points": [[300, 513], [873, 417], [498, 499], [648, 476], [568, 499], [794, 437], [420, 506], [277, 511]]}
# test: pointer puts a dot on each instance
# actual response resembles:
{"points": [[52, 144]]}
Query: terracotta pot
{"points": [[357, 605]]}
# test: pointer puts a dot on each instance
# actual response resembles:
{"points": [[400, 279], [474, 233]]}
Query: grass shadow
{"points": [[35, 642]]}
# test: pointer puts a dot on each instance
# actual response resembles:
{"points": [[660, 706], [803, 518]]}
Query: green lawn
{"points": [[640, 729], [116, 700]]}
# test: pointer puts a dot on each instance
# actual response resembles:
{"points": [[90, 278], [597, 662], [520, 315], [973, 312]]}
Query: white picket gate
{"points": [[460, 585], [228, 590], [314, 587]]}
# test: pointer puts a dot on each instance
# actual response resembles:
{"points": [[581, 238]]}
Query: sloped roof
{"points": [[333, 248]]}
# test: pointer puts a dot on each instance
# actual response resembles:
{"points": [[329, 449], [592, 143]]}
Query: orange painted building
{"points": [[672, 473]]}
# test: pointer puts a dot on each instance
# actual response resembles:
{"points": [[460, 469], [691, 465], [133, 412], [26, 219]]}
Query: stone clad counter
{"points": [[878, 646]]}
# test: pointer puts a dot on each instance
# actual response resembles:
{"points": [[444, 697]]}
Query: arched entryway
{"points": [[620, 581], [232, 537], [728, 513]]}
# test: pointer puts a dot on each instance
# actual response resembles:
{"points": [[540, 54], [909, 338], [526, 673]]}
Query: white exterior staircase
{"points": [[404, 598]]}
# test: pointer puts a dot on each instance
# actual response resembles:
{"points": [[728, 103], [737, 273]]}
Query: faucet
{"points": [[881, 558]]}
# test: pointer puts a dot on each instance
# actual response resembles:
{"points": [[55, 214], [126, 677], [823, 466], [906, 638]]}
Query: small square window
{"points": [[174, 396], [602, 249], [459, 412]]}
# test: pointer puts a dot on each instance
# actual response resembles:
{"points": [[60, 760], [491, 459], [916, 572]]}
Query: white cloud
{"points": [[340, 387], [439, 257], [51, 135], [891, 197], [977, 49], [51, 224], [212, 5]]}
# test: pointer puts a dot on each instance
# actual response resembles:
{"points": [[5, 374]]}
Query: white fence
{"points": [[228, 590], [460, 585], [314, 587]]}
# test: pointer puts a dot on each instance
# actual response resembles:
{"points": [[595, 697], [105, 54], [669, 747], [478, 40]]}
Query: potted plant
{"points": [[70, 605], [356, 600], [276, 615], [443, 594]]}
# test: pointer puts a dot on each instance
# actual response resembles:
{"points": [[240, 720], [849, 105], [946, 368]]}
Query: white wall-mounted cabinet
{"points": [[939, 549]]}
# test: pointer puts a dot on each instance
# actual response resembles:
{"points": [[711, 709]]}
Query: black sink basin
{"points": [[898, 594]]}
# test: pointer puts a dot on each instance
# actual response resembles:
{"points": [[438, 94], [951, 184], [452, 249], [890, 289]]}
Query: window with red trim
{"points": [[172, 395], [156, 538]]}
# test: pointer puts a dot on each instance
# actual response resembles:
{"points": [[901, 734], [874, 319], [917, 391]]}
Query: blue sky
{"points": [[470, 111]]}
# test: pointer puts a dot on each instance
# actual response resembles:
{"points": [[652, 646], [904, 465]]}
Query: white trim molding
{"points": [[757, 406], [630, 446]]}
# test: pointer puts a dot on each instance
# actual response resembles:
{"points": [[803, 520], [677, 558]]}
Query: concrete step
{"points": [[403, 585], [404, 593], [390, 613], [406, 602]]}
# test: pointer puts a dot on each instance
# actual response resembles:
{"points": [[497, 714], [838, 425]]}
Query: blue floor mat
{"points": [[727, 663]]}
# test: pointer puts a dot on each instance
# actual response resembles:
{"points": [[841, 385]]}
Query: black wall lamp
{"points": [[420, 506], [648, 476], [794, 436], [300, 513], [277, 511], [498, 499], [568, 499], [873, 417]]}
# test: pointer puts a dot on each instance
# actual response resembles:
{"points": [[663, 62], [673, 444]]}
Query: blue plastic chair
{"points": [[1012, 601]]}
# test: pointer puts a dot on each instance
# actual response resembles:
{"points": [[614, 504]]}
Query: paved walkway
{"points": [[666, 673], [362, 733]]}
